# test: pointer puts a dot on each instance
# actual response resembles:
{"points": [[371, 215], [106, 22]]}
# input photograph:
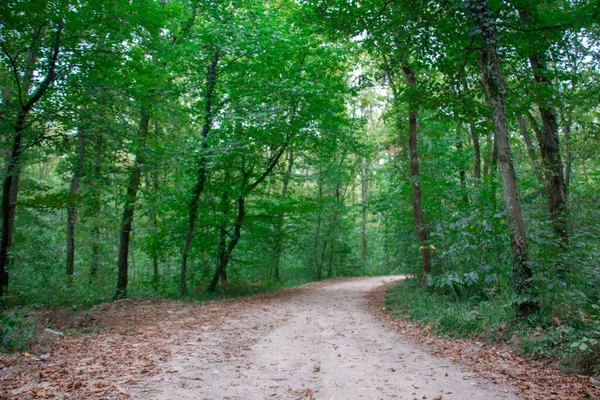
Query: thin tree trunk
{"points": [[535, 165], [334, 222], [550, 146], [211, 85], [364, 175], [222, 246], [72, 209], [462, 174], [422, 233], [494, 80], [152, 182], [476, 152], [245, 189], [133, 186], [566, 123], [225, 256], [95, 266], [281, 219], [319, 267]]}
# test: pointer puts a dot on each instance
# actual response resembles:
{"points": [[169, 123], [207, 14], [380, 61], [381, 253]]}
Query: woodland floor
{"points": [[331, 340]]}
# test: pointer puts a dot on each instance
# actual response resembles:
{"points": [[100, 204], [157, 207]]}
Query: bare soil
{"points": [[319, 341]]}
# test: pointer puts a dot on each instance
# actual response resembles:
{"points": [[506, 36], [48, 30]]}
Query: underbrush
{"points": [[16, 332], [572, 341]]}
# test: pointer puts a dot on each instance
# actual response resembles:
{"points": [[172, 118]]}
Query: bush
{"points": [[15, 332]]}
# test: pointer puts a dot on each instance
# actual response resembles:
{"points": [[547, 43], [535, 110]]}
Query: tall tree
{"points": [[548, 140], [495, 83], [40, 40]]}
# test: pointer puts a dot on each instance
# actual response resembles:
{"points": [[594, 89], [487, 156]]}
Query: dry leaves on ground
{"points": [[127, 340]]}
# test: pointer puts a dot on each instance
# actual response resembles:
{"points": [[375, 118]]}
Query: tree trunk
{"points": [[9, 197], [133, 186], [225, 256], [319, 267], [10, 187], [535, 165], [494, 80], [462, 174], [549, 145], [422, 232], [476, 152], [281, 219], [364, 175], [211, 85], [72, 208], [566, 123], [95, 266], [222, 246]]}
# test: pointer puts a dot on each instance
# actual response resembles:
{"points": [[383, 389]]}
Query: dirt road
{"points": [[318, 343]]}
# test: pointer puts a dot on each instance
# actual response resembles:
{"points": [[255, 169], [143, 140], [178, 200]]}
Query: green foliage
{"points": [[15, 331], [571, 341], [465, 317]]}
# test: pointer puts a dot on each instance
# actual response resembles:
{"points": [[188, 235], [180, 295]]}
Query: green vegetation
{"points": [[189, 149], [15, 331]]}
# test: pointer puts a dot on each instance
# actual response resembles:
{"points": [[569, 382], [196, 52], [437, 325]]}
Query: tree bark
{"points": [[422, 232], [133, 186], [211, 85], [494, 80]]}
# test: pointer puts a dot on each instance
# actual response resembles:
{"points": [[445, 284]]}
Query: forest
{"points": [[193, 149]]}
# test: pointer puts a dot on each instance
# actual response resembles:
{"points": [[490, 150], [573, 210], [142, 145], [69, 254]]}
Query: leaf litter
{"points": [[99, 353]]}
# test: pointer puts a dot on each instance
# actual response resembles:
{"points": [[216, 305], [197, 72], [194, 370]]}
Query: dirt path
{"points": [[321, 343]]}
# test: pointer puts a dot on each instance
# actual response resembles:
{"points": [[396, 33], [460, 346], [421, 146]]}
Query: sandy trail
{"points": [[321, 342]]}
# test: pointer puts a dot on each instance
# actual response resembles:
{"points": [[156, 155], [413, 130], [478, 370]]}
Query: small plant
{"points": [[15, 332]]}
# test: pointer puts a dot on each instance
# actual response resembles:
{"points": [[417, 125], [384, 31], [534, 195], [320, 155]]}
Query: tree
{"points": [[40, 41]]}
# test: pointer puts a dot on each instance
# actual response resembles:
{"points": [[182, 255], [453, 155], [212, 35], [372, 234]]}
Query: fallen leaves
{"points": [[97, 353]]}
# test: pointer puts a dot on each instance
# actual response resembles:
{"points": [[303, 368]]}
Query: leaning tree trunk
{"points": [[72, 208], [496, 86], [133, 186], [245, 189], [211, 85], [422, 232]]}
